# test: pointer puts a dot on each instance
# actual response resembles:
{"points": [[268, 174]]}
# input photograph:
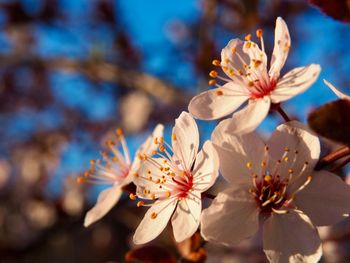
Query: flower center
{"points": [[270, 189], [184, 184]]}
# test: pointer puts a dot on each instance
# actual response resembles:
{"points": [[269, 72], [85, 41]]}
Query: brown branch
{"points": [[332, 157]]}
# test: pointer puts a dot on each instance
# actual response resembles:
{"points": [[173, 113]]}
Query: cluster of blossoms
{"points": [[271, 185]]}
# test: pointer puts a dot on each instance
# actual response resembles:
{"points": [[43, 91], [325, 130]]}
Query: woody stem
{"points": [[333, 156], [283, 113]]}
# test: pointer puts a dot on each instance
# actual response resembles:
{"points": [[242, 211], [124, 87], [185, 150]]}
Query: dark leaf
{"points": [[338, 9], [332, 121]]}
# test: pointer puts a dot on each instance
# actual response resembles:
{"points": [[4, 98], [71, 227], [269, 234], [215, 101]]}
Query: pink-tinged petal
{"points": [[256, 55], [208, 105], [155, 221], [295, 82], [291, 238], [146, 178], [281, 48], [240, 155], [105, 202], [325, 200], [294, 144], [206, 168], [232, 217], [232, 57], [185, 140], [186, 218], [341, 95], [247, 119]]}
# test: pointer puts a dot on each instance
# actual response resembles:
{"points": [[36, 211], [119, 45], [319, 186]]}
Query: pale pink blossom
{"points": [[172, 181], [274, 184], [249, 80], [337, 92], [117, 170]]}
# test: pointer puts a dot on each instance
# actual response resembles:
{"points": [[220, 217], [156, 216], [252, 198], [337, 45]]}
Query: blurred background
{"points": [[71, 72]]}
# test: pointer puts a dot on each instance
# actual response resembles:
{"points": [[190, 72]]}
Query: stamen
{"points": [[219, 93], [216, 62], [132, 196], [213, 74], [212, 82], [154, 215]]}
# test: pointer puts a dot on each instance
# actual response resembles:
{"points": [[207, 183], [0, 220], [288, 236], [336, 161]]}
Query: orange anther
{"points": [[212, 82], [219, 93], [259, 33], [213, 74], [216, 62]]}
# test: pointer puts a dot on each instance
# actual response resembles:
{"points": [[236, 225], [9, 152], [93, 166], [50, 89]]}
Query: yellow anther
{"points": [[136, 174], [162, 148], [145, 191], [168, 194], [267, 178], [248, 37], [259, 33], [119, 132], [161, 168], [213, 74], [182, 173], [161, 140], [139, 156], [290, 171], [150, 178], [166, 169], [212, 82], [86, 174], [216, 62], [155, 140], [248, 44], [257, 63], [132, 196], [219, 93], [154, 152], [92, 162], [80, 180], [140, 203], [286, 159], [174, 137], [251, 83], [286, 149], [153, 196], [263, 164], [234, 50], [154, 215], [249, 165]]}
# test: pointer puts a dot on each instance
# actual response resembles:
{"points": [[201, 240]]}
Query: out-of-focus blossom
{"points": [[340, 94], [136, 104], [275, 182], [173, 182], [40, 214], [117, 171], [245, 64]]}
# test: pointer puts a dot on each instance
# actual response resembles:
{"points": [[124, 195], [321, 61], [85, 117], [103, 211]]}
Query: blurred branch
{"points": [[103, 71]]}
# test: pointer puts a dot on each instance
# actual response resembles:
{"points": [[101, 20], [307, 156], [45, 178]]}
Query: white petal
{"points": [[105, 201], [291, 238], [231, 218], [341, 95], [209, 106], [233, 57], [206, 167], [281, 48], [149, 227], [185, 140], [146, 148], [237, 153], [255, 54], [247, 119], [295, 82], [325, 200], [186, 218], [147, 177], [283, 144]]}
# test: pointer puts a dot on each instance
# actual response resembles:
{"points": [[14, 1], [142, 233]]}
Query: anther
{"points": [[248, 44], [212, 82], [119, 132], [290, 171], [162, 148], [156, 140], [136, 174], [259, 33], [86, 174], [263, 164], [267, 178], [174, 137], [249, 165], [213, 74], [154, 215], [80, 180], [132, 196], [248, 37], [234, 50], [140, 203], [219, 93], [168, 194], [216, 62]]}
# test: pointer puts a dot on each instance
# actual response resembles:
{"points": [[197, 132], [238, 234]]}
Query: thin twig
{"points": [[332, 157], [341, 165], [283, 113]]}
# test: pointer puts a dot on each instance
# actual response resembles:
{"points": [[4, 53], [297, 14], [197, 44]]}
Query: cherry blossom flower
{"points": [[172, 181], [273, 184], [117, 171], [248, 79], [340, 94]]}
